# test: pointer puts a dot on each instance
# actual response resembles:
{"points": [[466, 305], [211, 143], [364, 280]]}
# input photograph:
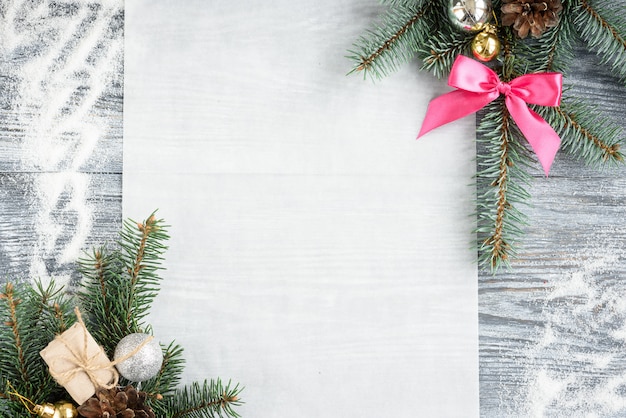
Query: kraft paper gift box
{"points": [[78, 363]]}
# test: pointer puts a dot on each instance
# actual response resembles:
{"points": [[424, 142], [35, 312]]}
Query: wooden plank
{"points": [[61, 103], [552, 328]]}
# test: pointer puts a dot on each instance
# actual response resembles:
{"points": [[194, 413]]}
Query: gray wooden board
{"points": [[61, 103], [551, 329]]}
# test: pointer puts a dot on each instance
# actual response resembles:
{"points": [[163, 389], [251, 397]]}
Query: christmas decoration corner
{"points": [[525, 44], [56, 345]]}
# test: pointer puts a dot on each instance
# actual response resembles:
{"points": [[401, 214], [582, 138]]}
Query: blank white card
{"points": [[320, 255]]}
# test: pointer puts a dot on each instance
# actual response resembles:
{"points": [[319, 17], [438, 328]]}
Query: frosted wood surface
{"points": [[552, 329], [61, 87], [319, 255]]}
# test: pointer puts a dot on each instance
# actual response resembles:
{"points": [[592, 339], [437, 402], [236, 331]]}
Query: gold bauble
{"points": [[486, 45], [58, 410]]}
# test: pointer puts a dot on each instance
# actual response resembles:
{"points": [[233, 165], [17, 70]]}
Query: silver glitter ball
{"points": [[142, 366], [469, 15]]}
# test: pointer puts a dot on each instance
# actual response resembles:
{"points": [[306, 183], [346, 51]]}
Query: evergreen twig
{"points": [[102, 296], [440, 51], [585, 134], [212, 399], [500, 187], [393, 42], [142, 250], [603, 27], [30, 316], [170, 374]]}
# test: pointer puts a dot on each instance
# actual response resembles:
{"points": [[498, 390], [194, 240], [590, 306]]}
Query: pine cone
{"points": [[530, 15], [116, 403]]}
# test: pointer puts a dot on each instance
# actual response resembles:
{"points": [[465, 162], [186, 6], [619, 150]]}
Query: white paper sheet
{"points": [[320, 255]]}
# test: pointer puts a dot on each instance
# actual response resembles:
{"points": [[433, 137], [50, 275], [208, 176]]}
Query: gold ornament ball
{"points": [[58, 410], [469, 15], [486, 46]]}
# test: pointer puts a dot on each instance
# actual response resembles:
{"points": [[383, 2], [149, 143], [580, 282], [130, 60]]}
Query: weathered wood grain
{"points": [[551, 329], [61, 104]]}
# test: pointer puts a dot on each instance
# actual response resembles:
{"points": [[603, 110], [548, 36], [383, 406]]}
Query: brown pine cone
{"points": [[117, 403], [534, 16]]}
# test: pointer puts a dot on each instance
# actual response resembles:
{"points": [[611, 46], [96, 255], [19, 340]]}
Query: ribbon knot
{"points": [[503, 88], [478, 85]]}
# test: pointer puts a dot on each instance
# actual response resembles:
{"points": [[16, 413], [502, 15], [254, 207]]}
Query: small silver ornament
{"points": [[469, 15], [143, 365]]}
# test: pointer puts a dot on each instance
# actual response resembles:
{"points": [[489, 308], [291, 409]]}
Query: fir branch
{"points": [[103, 294], [439, 51], [13, 323], [142, 250], [500, 176], [55, 310], [210, 400], [169, 376], [585, 133], [394, 41], [603, 27], [498, 247], [499, 183], [30, 320]]}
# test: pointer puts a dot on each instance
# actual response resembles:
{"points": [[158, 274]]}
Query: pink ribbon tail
{"points": [[544, 141]]}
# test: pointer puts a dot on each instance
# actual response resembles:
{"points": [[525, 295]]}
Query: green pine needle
{"points": [[500, 187], [585, 133], [30, 317], [211, 399], [602, 25], [170, 374], [440, 50], [393, 42]]}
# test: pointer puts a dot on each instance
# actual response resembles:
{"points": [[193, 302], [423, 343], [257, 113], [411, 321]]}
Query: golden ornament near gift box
{"points": [[58, 410], [486, 45]]}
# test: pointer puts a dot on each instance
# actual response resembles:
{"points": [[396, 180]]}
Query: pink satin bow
{"points": [[478, 85]]}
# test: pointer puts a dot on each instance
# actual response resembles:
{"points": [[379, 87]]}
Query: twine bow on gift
{"points": [[92, 365], [478, 85]]}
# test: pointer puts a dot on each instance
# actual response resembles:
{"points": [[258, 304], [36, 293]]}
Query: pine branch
{"points": [[499, 184], [169, 376], [209, 400], [584, 133], [31, 316], [603, 27], [394, 41], [103, 296], [439, 51], [13, 322], [55, 312], [142, 247]]}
